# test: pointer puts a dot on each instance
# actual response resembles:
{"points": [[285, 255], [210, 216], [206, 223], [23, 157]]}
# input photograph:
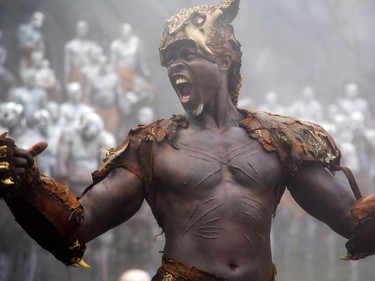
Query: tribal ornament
{"points": [[209, 26]]}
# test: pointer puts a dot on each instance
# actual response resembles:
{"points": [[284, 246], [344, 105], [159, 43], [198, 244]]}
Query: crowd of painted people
{"points": [[102, 95], [349, 120], [351, 123]]}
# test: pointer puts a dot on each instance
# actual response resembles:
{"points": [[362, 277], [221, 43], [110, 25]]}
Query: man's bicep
{"points": [[323, 196], [111, 201]]}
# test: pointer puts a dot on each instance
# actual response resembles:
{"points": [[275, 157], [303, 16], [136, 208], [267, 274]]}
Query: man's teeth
{"points": [[181, 81]]}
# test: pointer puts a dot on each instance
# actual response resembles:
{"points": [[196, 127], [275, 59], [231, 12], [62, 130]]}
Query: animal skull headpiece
{"points": [[209, 26]]}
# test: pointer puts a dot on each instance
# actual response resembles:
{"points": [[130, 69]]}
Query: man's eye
{"points": [[188, 55], [170, 60]]}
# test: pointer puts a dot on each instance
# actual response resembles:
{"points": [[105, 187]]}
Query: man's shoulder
{"points": [[115, 44], [73, 44], [159, 130], [295, 141], [24, 28], [143, 136], [271, 122], [17, 93]]}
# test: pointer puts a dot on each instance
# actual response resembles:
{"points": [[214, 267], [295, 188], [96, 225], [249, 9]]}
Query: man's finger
{"points": [[38, 148], [3, 135]]}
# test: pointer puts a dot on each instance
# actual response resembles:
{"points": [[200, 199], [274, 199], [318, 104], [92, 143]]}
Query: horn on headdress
{"points": [[205, 25]]}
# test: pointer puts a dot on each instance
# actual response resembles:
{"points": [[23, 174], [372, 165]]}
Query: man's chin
{"points": [[195, 112]]}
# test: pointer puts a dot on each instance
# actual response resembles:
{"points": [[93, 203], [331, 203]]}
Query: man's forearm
{"points": [[50, 213]]}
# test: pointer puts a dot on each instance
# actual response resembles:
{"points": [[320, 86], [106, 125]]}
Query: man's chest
{"points": [[206, 159], [104, 84]]}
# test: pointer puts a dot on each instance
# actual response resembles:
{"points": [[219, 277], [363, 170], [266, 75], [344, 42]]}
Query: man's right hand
{"points": [[45, 209], [15, 161]]}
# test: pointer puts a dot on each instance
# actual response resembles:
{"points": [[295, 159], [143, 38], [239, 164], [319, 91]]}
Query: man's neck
{"points": [[217, 116]]}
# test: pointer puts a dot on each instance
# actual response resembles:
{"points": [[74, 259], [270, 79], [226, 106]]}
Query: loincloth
{"points": [[127, 77], [175, 271]]}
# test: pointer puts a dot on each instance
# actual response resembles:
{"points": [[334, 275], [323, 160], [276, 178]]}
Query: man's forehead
{"points": [[180, 45]]}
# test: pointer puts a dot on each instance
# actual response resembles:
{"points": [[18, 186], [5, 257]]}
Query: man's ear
{"points": [[224, 61]]}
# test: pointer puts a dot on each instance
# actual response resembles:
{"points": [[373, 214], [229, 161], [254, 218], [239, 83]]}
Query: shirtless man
{"points": [[127, 57], [30, 96], [212, 177], [7, 79], [78, 155], [71, 110], [30, 38], [76, 52], [103, 93], [79, 150], [307, 107]]}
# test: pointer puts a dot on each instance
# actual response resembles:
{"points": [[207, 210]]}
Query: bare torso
{"points": [[215, 197]]}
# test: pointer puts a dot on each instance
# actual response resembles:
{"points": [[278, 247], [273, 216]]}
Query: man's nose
{"points": [[176, 66]]}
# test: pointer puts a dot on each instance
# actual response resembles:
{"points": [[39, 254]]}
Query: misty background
{"points": [[286, 46]]}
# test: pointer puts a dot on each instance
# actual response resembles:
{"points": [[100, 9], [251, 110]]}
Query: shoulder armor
{"points": [[293, 140], [139, 136]]}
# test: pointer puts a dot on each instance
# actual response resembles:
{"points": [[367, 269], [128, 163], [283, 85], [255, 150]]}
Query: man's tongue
{"points": [[185, 93]]}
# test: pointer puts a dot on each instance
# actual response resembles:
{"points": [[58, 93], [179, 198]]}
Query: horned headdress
{"points": [[210, 28]]}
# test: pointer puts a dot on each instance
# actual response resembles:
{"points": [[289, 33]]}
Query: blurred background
{"points": [[71, 70]]}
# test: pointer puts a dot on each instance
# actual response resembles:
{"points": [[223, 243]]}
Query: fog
{"points": [[287, 45]]}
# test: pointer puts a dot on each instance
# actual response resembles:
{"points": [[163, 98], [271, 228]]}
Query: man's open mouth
{"points": [[183, 87]]}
